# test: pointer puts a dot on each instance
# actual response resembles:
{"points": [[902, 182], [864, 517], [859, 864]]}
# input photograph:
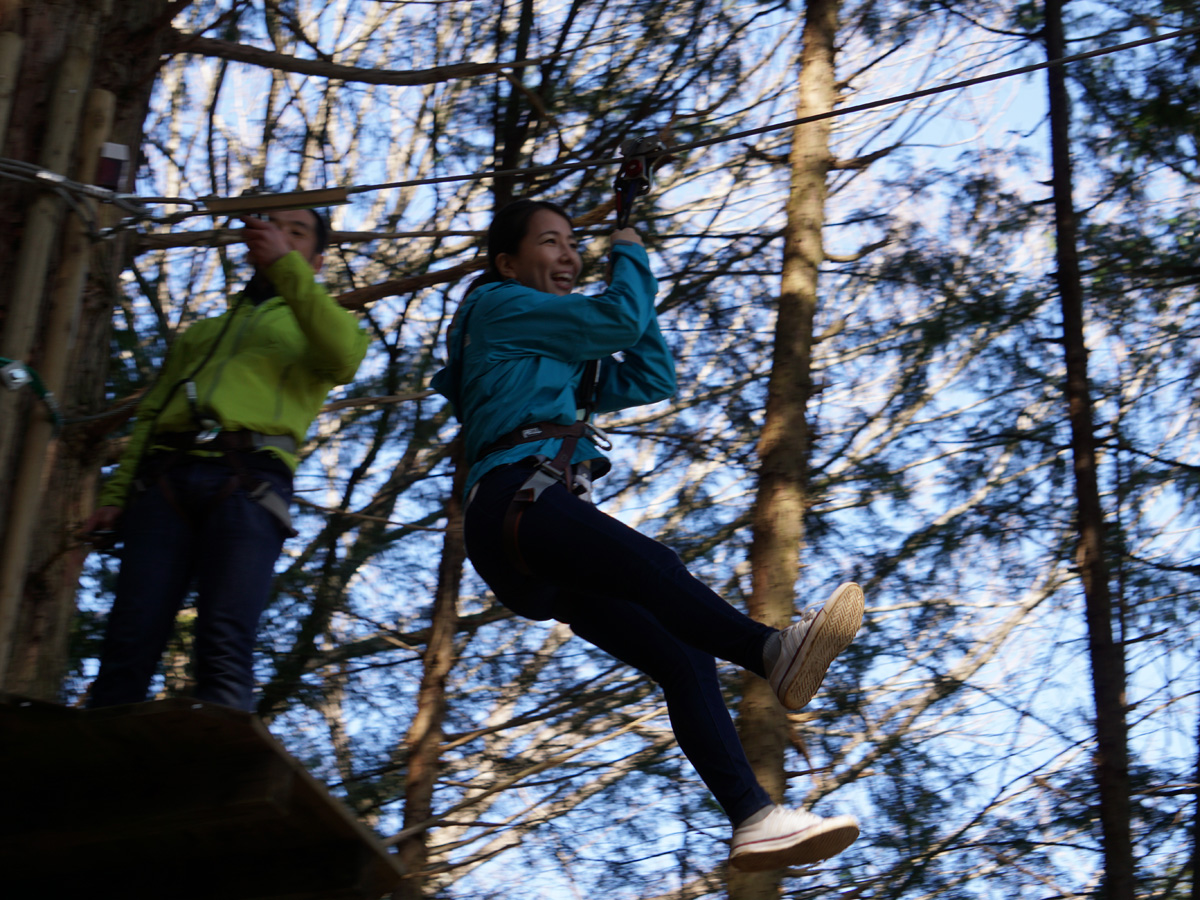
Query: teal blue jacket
{"points": [[522, 353]]}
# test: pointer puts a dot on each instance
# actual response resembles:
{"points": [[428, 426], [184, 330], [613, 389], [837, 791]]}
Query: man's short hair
{"points": [[320, 230]]}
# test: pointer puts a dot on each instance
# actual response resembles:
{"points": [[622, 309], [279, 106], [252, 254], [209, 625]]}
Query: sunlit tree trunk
{"points": [[778, 518], [1111, 763]]}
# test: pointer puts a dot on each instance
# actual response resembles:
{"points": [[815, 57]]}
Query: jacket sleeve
{"points": [[338, 344], [646, 374], [520, 321]]}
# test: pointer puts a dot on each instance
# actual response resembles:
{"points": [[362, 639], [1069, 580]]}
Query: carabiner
{"points": [[636, 175]]}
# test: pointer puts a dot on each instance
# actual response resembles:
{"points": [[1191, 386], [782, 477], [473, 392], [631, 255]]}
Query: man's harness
{"points": [[232, 445]]}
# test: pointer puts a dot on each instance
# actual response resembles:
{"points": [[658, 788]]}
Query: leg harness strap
{"points": [[577, 478]]}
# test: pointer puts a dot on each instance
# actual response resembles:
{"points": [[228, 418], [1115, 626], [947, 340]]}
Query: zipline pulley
{"points": [[636, 176]]}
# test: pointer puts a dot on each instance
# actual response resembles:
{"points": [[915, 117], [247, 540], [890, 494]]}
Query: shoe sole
{"points": [[831, 632], [820, 842]]}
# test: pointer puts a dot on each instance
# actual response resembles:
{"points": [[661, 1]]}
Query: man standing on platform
{"points": [[202, 491]]}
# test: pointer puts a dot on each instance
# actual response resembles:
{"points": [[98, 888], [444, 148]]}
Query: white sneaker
{"points": [[790, 837], [808, 647]]}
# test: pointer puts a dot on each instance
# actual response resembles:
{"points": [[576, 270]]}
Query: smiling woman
{"points": [[547, 258], [521, 340], [528, 362]]}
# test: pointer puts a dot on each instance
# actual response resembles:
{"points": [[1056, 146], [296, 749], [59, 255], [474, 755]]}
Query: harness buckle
{"points": [[207, 428], [546, 474], [598, 435], [545, 465], [581, 485]]}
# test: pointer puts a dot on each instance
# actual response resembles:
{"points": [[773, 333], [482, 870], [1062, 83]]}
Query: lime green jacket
{"points": [[265, 368]]}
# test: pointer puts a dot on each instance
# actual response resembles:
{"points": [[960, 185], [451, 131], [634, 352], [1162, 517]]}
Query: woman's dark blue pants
{"points": [[173, 538], [633, 598]]}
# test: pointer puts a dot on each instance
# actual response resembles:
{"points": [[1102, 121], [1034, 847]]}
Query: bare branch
{"points": [[268, 59], [862, 251], [359, 298], [861, 162]]}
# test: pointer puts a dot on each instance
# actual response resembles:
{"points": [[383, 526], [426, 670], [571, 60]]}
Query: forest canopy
{"points": [[907, 239]]}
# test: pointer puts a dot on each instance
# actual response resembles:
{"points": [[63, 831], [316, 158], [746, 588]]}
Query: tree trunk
{"points": [[124, 51], [783, 448], [424, 739], [1107, 657]]}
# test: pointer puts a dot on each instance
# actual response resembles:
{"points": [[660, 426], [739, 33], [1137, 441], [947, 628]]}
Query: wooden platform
{"points": [[171, 799]]}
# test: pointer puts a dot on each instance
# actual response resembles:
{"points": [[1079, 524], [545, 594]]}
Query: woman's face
{"points": [[547, 259]]}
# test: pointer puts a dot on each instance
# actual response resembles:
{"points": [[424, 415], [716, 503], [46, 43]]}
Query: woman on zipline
{"points": [[519, 380]]}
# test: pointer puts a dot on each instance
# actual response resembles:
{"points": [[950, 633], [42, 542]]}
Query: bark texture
{"points": [[424, 739], [782, 498]]}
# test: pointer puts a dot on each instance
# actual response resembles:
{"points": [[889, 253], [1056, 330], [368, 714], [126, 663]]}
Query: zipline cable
{"points": [[135, 205], [928, 92], [791, 123]]}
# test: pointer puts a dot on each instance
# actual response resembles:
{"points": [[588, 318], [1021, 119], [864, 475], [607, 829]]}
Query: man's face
{"points": [[299, 229]]}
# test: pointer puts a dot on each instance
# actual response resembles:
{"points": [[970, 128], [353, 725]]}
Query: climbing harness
{"points": [[576, 477], [208, 436], [15, 375], [635, 178], [636, 175], [232, 445]]}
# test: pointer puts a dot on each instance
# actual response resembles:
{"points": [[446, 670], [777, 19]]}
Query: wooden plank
{"points": [[172, 798], [257, 203]]}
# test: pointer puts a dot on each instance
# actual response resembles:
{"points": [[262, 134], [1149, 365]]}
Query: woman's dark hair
{"points": [[506, 232]]}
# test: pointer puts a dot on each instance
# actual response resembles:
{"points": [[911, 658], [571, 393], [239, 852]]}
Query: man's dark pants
{"points": [[227, 546]]}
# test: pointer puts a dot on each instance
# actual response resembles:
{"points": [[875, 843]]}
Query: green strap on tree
{"points": [[15, 375]]}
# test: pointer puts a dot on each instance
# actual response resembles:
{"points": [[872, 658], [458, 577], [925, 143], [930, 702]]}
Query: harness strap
{"points": [[270, 500], [546, 473], [231, 484], [585, 394], [525, 496], [550, 471], [259, 490], [538, 431], [224, 441], [168, 492]]}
